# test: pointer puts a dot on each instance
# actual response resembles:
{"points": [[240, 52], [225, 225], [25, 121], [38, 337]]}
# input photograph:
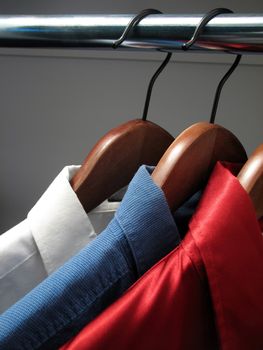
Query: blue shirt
{"points": [[141, 233]]}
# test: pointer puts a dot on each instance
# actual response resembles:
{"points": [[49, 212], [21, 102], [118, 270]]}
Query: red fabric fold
{"points": [[206, 294]]}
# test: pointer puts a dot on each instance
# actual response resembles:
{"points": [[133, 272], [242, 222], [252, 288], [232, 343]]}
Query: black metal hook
{"points": [[152, 81], [133, 22], [207, 18], [123, 37], [220, 86]]}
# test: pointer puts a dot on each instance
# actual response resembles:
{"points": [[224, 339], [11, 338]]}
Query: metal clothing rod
{"points": [[235, 33]]}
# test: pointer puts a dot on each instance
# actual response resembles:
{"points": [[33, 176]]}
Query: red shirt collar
{"points": [[228, 235]]}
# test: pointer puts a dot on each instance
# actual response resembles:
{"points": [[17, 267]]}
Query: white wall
{"points": [[53, 109]]}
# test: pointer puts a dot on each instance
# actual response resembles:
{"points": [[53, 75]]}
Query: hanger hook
{"points": [[133, 22], [199, 29], [124, 36], [152, 81], [220, 86]]}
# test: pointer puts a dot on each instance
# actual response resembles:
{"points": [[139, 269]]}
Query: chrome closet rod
{"points": [[235, 33]]}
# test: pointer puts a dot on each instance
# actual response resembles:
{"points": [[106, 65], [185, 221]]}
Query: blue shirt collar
{"points": [[147, 221]]}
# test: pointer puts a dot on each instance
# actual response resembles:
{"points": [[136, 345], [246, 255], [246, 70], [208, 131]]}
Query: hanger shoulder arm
{"points": [[188, 162], [251, 178], [115, 158]]}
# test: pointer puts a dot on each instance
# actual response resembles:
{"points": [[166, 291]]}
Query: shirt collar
{"points": [[147, 220], [58, 222], [229, 238]]}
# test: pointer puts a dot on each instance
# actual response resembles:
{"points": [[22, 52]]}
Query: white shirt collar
{"points": [[57, 217], [55, 230]]}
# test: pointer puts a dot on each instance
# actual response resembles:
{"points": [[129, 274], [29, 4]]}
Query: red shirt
{"points": [[206, 294]]}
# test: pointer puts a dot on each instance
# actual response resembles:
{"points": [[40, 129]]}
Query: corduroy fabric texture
{"points": [[141, 233]]}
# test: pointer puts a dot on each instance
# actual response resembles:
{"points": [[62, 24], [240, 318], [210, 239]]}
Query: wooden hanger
{"points": [[251, 178], [116, 157], [188, 162]]}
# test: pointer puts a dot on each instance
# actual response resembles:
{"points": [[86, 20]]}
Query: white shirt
{"points": [[55, 229]]}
